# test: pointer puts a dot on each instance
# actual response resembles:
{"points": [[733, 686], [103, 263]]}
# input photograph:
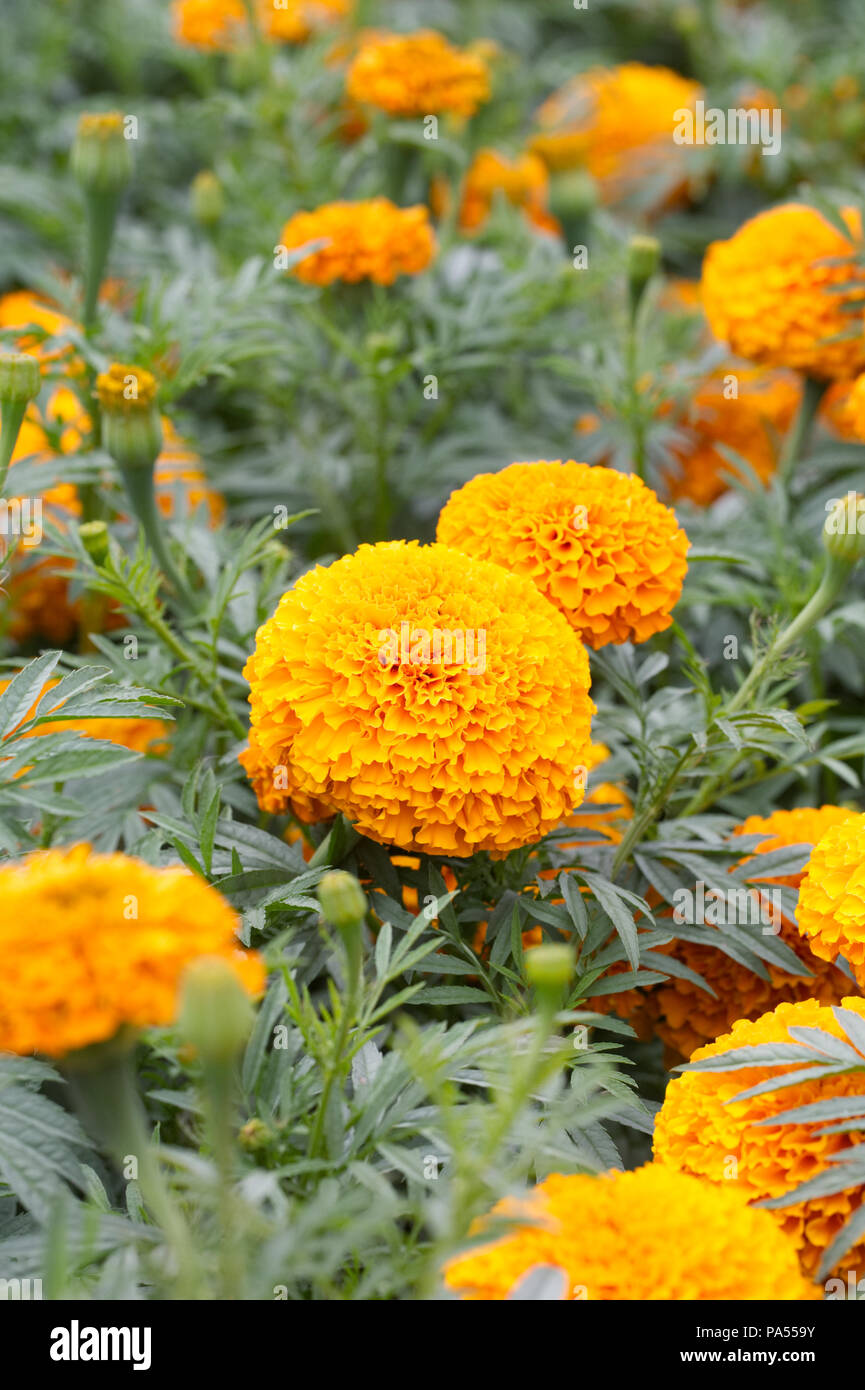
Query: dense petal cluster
{"points": [[832, 897], [596, 542], [223, 24], [417, 75], [774, 292], [651, 1234], [438, 701], [699, 1129], [618, 123], [95, 942], [750, 423], [368, 240]]}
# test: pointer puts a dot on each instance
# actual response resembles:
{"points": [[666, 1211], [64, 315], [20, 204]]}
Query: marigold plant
{"points": [[439, 702], [702, 1130], [596, 542], [94, 943], [651, 1234], [776, 291]]}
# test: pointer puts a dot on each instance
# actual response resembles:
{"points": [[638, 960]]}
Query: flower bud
{"points": [[644, 256], [216, 1015], [255, 1135], [131, 426], [342, 900], [101, 159], [208, 200], [550, 967], [573, 194], [94, 537], [20, 378], [844, 529]]}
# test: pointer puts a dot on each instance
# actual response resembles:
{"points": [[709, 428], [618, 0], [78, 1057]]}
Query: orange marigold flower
{"points": [[139, 735], [21, 308], [418, 75], [651, 1234], [749, 423], [596, 542], [618, 123], [92, 943], [772, 291], [221, 25], [438, 701], [699, 1130], [180, 484], [831, 910], [523, 181], [369, 240], [843, 408], [685, 1016]]}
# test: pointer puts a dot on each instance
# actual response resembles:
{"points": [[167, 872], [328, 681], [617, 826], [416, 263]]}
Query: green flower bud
{"points": [[101, 159], [95, 538], [208, 199], [573, 194], [131, 425], [342, 900], [844, 529], [255, 1135], [216, 1014], [550, 966], [644, 256], [20, 378]]}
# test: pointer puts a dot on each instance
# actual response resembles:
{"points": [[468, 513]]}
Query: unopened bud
{"points": [[644, 256], [95, 539], [342, 900], [20, 378], [131, 426], [216, 1015], [101, 159], [550, 967], [208, 199], [844, 529]]}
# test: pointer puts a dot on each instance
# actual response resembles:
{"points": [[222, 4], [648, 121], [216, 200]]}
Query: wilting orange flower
{"points": [[139, 735], [773, 291], [685, 1016], [523, 181], [645, 1235], [618, 123], [699, 1130], [417, 75], [369, 240], [438, 701], [751, 424], [95, 942], [223, 24], [832, 897], [597, 543]]}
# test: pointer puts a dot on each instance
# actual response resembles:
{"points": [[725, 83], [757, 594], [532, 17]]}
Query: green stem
{"points": [[102, 211], [218, 1098], [10, 424], [797, 440], [139, 487], [354, 961]]}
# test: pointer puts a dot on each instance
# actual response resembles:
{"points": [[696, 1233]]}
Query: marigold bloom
{"points": [[832, 897], [220, 25], [95, 942], [751, 424], [685, 1016], [139, 735], [618, 123], [843, 408], [417, 75], [369, 240], [773, 291], [647, 1235], [698, 1130], [20, 308], [596, 542], [523, 181], [438, 701]]}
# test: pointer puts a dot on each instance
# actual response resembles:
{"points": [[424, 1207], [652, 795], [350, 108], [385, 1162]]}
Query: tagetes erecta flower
{"points": [[437, 701], [831, 911], [751, 423], [95, 942], [523, 181], [773, 292], [139, 735], [699, 1130], [220, 25], [647, 1235], [596, 542], [605, 823], [685, 1016], [618, 124], [368, 240], [21, 308], [417, 75], [843, 408]]}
